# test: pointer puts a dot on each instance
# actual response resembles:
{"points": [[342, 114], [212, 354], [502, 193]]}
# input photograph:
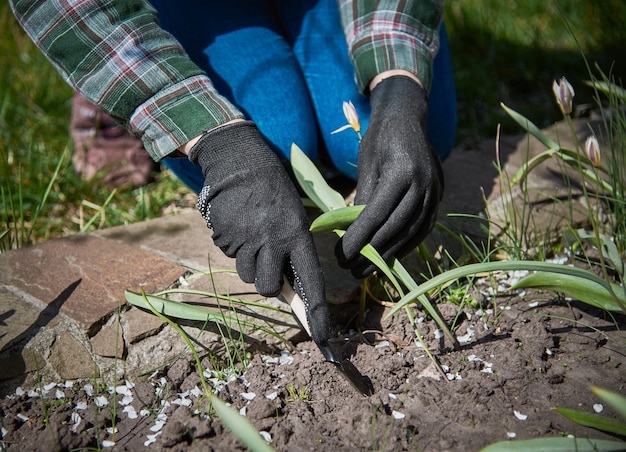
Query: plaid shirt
{"points": [[117, 56]]}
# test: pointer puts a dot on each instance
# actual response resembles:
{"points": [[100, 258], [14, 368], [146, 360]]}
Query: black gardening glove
{"points": [[256, 215], [399, 177]]}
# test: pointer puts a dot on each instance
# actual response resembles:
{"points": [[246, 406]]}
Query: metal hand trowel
{"points": [[345, 367]]}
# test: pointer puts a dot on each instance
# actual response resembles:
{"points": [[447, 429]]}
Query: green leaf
{"points": [[531, 164], [608, 247], [530, 127], [613, 399], [336, 219], [240, 426], [186, 311], [556, 445], [594, 420], [584, 290], [375, 258], [488, 267], [313, 183], [607, 88]]}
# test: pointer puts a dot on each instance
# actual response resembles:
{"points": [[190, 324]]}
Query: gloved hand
{"points": [[399, 177], [256, 215]]}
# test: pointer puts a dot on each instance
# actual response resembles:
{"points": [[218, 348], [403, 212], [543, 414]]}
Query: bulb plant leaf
{"points": [[313, 183]]}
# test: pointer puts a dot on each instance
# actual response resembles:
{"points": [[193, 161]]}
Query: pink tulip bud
{"points": [[564, 94], [592, 148]]}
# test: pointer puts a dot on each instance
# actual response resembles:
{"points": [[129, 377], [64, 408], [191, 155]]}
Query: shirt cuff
{"points": [[393, 50], [179, 113]]}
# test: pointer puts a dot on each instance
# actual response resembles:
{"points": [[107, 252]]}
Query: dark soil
{"points": [[526, 356]]}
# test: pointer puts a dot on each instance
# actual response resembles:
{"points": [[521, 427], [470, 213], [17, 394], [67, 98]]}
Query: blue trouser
{"points": [[285, 65]]}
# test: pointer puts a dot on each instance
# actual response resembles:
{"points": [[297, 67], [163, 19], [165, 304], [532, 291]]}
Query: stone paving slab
{"points": [[84, 276]]}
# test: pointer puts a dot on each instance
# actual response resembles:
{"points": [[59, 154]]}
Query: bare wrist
{"points": [[185, 148], [391, 73]]}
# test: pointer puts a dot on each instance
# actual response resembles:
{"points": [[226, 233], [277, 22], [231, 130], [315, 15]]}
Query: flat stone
{"points": [[19, 320], [185, 239], [70, 359], [109, 341], [140, 325], [84, 276]]}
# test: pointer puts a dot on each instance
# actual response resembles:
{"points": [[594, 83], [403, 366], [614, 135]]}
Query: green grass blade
{"points": [[53, 179], [240, 426], [594, 420], [185, 311], [607, 88], [582, 289], [313, 183], [99, 212], [530, 127], [336, 219], [488, 267], [556, 445], [531, 164], [410, 284], [613, 399]]}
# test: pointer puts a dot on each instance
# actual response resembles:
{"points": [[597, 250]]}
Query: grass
{"points": [[40, 195]]}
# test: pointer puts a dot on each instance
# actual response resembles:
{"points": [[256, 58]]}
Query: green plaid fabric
{"points": [[117, 56]]}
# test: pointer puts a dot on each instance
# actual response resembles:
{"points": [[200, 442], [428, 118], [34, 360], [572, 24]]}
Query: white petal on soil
{"points": [[248, 395], [126, 400], [520, 416], [59, 394], [598, 408], [511, 435], [266, 436], [81, 406], [3, 432], [393, 396], [534, 304], [269, 359], [123, 389], [182, 402], [33, 394], [271, 395], [285, 358], [151, 439], [144, 412], [196, 391], [438, 334], [243, 410], [101, 401], [21, 417], [49, 386], [130, 411], [19, 391], [107, 444], [88, 389], [382, 344], [468, 336], [158, 425], [397, 415], [111, 430]]}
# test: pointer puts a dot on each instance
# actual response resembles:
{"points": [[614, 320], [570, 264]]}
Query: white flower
{"points": [[592, 148], [564, 93], [352, 117]]}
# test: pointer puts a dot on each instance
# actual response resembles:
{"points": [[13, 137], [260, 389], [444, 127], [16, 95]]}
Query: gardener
{"points": [[253, 78]]}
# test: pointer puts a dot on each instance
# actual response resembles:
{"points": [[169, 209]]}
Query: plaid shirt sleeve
{"points": [[391, 34], [117, 56]]}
